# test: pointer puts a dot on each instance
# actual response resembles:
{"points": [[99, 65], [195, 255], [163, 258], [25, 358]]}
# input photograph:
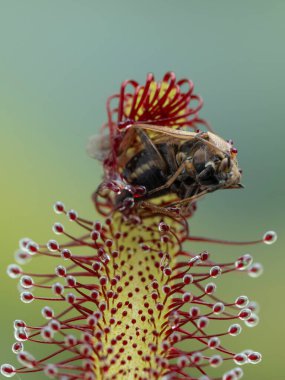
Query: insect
{"points": [[165, 161]]}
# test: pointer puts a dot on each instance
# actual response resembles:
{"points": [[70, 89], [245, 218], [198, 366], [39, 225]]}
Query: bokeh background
{"points": [[59, 62]]}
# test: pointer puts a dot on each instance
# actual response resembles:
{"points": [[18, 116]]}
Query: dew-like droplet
{"points": [[255, 270], [51, 371], [72, 215], [58, 228], [240, 358], [252, 321], [215, 361], [19, 323], [234, 329], [7, 370], [210, 288], [17, 347], [47, 312], [218, 308], [21, 335], [32, 247], [58, 207], [22, 256], [241, 301], [14, 271], [244, 314], [215, 271], [60, 271], [188, 279], [27, 297], [26, 282], [214, 342], [243, 262], [254, 358], [269, 237], [52, 246]]}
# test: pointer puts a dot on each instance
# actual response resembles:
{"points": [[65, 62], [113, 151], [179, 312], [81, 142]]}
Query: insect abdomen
{"points": [[150, 171]]}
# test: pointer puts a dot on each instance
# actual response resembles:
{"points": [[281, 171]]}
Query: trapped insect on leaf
{"points": [[136, 301]]}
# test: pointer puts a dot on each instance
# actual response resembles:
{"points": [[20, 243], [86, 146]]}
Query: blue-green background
{"points": [[59, 60]]}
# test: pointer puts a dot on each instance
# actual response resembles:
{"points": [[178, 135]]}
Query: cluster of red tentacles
{"points": [[169, 102], [131, 294]]}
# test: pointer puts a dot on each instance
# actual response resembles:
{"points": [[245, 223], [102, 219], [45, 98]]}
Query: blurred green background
{"points": [[59, 62]]}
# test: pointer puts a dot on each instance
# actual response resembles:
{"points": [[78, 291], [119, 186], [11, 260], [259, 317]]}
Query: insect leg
{"points": [[171, 180], [191, 199], [157, 210]]}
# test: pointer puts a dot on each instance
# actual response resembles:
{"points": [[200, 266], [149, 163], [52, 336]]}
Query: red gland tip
{"points": [[270, 237]]}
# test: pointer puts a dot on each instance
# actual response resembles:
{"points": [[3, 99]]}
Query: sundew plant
{"points": [[128, 298]]}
